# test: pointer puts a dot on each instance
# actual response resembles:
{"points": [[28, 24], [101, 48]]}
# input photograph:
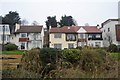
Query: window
{"points": [[57, 35], [71, 37], [22, 45], [118, 27], [70, 45], [97, 44], [108, 29], [90, 36], [98, 36], [6, 28], [57, 46], [23, 35], [5, 37]]}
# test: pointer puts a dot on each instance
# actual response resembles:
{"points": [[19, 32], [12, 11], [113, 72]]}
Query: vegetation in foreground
{"points": [[69, 63]]}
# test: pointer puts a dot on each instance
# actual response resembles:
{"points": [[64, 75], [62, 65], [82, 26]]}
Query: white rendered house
{"points": [[28, 37], [111, 32], [5, 28]]}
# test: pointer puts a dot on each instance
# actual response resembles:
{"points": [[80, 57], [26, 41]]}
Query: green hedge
{"points": [[10, 47]]}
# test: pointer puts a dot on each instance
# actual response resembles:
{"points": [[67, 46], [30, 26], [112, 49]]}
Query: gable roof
{"points": [[65, 29], [29, 29], [74, 29], [107, 21]]}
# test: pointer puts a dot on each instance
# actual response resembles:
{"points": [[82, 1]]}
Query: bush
{"points": [[49, 57], [112, 48], [10, 47], [31, 61], [90, 59], [71, 55]]}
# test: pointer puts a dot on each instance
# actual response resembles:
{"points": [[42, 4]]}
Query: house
{"points": [[28, 37], [75, 36], [111, 32], [4, 30]]}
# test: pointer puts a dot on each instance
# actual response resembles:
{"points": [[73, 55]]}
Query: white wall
{"points": [[112, 33], [6, 34]]}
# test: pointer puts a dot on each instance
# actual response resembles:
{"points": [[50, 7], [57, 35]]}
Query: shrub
{"points": [[10, 47], [112, 48], [90, 59], [71, 55], [31, 61], [49, 57]]}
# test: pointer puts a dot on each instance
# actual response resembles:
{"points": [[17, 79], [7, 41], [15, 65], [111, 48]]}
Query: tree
{"points": [[24, 22], [51, 21], [67, 21], [35, 23], [1, 19], [11, 18], [86, 24]]}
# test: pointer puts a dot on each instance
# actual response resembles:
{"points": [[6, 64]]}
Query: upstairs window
{"points": [[98, 36], [57, 35], [23, 35], [70, 37]]}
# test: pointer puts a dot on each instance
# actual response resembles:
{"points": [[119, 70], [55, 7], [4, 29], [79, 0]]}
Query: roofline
{"points": [[117, 25], [31, 25], [105, 22]]}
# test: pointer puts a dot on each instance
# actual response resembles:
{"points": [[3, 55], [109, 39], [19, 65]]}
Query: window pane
{"points": [[22, 45], [23, 35], [70, 37], [57, 35]]}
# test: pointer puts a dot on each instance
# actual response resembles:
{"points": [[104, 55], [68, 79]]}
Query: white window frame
{"points": [[23, 36]]}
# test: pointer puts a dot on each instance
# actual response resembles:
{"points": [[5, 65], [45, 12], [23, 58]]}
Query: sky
{"points": [[92, 12]]}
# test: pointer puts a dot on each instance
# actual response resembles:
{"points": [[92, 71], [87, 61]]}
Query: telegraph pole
{"points": [[3, 37]]}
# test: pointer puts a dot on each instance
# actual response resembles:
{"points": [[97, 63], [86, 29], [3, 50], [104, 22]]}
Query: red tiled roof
{"points": [[92, 29], [65, 29], [74, 29], [29, 29]]}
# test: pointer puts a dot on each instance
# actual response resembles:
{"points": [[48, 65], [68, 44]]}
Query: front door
{"points": [[23, 46]]}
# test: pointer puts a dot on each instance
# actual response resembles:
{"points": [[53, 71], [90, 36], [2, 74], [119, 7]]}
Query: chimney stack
{"points": [[17, 26]]}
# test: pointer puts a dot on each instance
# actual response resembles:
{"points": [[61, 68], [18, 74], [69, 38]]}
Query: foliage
{"points": [[115, 56], [71, 55], [11, 18], [51, 21], [49, 58], [112, 48], [10, 47], [91, 59], [66, 21], [31, 61]]}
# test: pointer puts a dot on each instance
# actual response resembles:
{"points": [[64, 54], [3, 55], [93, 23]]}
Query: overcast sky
{"points": [[83, 11]]}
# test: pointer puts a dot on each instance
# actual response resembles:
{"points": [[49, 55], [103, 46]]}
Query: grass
{"points": [[115, 55], [12, 52]]}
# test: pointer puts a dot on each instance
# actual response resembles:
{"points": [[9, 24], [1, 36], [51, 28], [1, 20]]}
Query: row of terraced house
{"points": [[27, 37]]}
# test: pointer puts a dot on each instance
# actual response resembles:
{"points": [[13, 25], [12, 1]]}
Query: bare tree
{"points": [[35, 23], [24, 22], [86, 24]]}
